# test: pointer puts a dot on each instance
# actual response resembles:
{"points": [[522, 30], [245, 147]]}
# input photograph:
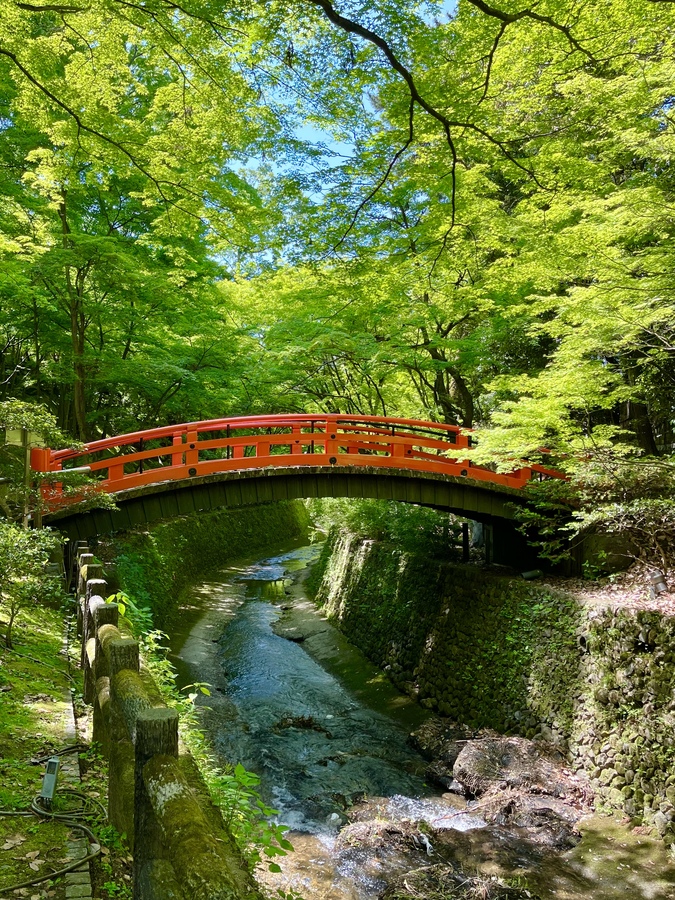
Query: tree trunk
{"points": [[79, 398], [8, 630], [465, 398], [442, 398], [636, 416]]}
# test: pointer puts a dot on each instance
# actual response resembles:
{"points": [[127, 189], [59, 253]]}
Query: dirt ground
{"points": [[629, 590]]}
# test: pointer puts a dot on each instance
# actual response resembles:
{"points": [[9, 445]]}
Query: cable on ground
{"points": [[73, 748], [71, 818]]}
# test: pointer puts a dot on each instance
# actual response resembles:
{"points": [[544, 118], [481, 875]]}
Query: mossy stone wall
{"points": [[624, 730], [519, 657], [154, 566]]}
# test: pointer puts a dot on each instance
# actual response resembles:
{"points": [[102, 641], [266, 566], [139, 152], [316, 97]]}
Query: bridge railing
{"points": [[177, 452]]}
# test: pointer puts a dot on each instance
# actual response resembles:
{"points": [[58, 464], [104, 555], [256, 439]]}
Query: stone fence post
{"points": [[92, 582], [179, 853], [82, 557], [99, 613], [156, 734]]}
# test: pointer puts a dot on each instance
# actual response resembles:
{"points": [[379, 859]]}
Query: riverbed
{"points": [[327, 733]]}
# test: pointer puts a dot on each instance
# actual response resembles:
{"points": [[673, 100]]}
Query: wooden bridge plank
{"points": [[169, 505], [186, 504]]}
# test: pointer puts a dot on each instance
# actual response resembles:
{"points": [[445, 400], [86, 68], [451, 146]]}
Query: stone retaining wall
{"points": [[155, 564], [516, 656]]}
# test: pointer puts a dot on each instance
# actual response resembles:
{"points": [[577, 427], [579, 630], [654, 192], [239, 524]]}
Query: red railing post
{"points": [[463, 441], [296, 440], [177, 458], [192, 452], [115, 470], [331, 441], [40, 461], [522, 476], [397, 450]]}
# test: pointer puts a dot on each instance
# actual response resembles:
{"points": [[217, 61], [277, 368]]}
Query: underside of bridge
{"points": [[484, 502]]}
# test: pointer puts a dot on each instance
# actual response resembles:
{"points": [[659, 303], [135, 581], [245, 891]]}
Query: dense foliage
{"points": [[24, 578], [460, 212], [410, 528]]}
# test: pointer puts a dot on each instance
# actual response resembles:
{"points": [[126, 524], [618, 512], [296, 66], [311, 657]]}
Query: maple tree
{"points": [[458, 215]]}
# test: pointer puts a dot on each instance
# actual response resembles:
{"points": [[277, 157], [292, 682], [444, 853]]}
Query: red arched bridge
{"points": [[179, 469]]}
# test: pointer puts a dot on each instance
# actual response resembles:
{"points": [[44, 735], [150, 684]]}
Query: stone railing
{"points": [[156, 796]]}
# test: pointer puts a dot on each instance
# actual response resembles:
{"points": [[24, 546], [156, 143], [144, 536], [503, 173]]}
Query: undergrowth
{"points": [[35, 681], [442, 882]]}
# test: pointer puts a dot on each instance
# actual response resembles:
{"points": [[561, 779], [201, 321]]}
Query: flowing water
{"points": [[324, 729]]}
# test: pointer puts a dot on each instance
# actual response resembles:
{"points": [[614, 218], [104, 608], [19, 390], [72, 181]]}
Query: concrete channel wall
{"points": [[181, 848]]}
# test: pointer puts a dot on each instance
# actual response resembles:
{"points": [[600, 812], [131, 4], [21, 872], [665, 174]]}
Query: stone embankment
{"points": [[522, 658]]}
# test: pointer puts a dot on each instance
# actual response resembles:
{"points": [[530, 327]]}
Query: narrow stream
{"points": [[324, 729]]}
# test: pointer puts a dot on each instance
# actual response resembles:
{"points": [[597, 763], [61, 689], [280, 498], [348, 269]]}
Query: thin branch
{"points": [[509, 18], [56, 7], [490, 60], [202, 18], [81, 37], [384, 178]]}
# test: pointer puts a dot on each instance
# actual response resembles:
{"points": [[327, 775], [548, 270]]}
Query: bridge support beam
{"points": [[475, 500], [506, 546]]}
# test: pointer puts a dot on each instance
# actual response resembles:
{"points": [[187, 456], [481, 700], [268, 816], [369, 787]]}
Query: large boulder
{"points": [[441, 740], [496, 762]]}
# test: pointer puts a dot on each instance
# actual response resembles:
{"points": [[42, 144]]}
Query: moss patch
{"points": [[33, 707]]}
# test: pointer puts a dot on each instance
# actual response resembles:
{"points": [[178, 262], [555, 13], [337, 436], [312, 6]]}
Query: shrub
{"points": [[23, 577]]}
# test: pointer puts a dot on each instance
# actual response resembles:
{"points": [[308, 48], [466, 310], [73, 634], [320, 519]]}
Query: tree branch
{"points": [[490, 60], [508, 18], [56, 7], [352, 27], [384, 178]]}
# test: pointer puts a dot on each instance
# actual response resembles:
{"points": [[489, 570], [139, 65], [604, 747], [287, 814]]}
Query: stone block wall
{"points": [[517, 656], [624, 730]]}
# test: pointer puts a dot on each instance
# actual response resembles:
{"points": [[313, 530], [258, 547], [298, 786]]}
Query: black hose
{"points": [[70, 818], [73, 748]]}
